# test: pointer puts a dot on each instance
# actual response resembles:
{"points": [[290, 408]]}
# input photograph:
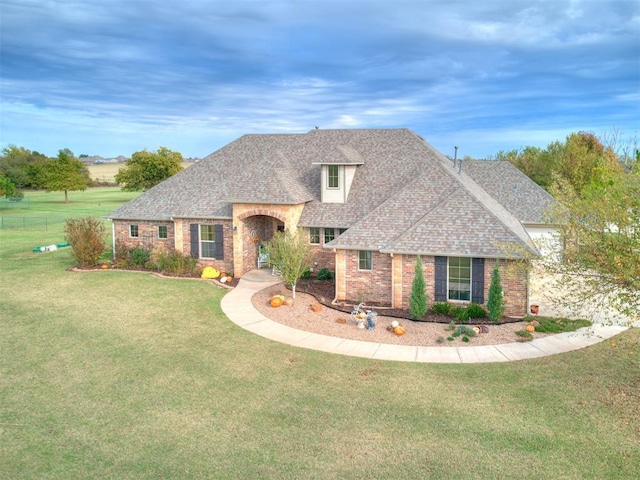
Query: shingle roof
{"points": [[405, 196]]}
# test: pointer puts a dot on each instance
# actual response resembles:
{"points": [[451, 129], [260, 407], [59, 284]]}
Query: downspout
{"points": [[335, 298], [113, 241]]}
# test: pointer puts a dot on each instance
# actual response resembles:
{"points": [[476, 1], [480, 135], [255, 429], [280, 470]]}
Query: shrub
{"points": [[495, 305], [557, 325], [177, 264], [524, 336], [306, 273], [441, 308], [476, 311], [139, 256], [418, 297], [466, 331], [86, 237], [325, 274], [460, 314]]}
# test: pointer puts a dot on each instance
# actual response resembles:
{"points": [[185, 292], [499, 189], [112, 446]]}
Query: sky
{"points": [[114, 77]]}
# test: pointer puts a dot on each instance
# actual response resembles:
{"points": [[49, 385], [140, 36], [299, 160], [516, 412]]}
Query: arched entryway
{"points": [[255, 228]]}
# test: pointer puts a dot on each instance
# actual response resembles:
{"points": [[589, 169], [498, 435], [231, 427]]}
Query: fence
{"points": [[28, 222]]}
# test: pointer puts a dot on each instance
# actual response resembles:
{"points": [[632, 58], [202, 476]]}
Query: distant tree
{"points": [[7, 188], [534, 162], [291, 254], [418, 297], [65, 173], [22, 166], [86, 237], [495, 303], [147, 169]]}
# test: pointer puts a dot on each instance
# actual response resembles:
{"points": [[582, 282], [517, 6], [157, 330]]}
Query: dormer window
{"points": [[333, 176]]}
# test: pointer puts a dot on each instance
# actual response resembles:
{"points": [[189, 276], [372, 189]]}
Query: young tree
{"points": [[418, 297], [495, 304], [65, 173], [147, 169], [291, 254], [86, 237]]}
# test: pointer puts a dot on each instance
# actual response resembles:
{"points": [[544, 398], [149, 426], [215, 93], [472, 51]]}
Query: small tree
{"points": [[495, 305], [418, 298], [86, 237], [7, 188], [65, 173], [291, 254]]}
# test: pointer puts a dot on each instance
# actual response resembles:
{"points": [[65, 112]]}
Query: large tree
{"points": [[146, 169], [7, 188], [600, 239], [65, 173]]}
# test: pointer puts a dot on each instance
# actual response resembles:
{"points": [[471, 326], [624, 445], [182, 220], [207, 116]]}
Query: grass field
{"points": [[106, 172], [111, 374]]}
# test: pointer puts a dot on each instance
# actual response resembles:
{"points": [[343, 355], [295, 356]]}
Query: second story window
{"points": [[333, 178]]}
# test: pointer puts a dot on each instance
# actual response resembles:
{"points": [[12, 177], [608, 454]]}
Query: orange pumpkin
{"points": [[276, 301], [104, 266], [399, 330], [530, 328]]}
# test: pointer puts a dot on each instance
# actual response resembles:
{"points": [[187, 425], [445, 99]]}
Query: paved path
{"points": [[238, 307]]}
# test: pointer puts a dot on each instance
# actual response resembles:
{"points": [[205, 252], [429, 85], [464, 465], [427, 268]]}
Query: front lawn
{"points": [[110, 374]]}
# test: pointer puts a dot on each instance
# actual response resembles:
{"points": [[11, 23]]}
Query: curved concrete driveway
{"points": [[238, 307]]}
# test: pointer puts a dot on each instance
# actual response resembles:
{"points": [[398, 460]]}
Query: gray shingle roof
{"points": [[405, 196]]}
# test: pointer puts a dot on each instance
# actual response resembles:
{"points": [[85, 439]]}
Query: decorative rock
{"points": [[341, 320], [316, 307], [484, 329], [288, 301]]}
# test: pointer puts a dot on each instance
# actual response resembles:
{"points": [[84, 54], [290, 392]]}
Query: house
{"points": [[368, 201]]}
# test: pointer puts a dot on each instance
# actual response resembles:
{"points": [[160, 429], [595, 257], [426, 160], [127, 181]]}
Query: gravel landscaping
{"points": [[328, 322]]}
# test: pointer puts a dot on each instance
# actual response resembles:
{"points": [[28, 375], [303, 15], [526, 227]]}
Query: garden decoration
{"points": [[210, 272], [276, 300], [371, 319]]}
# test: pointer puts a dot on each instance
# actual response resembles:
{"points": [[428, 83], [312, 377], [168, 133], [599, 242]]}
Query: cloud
{"points": [[124, 73]]}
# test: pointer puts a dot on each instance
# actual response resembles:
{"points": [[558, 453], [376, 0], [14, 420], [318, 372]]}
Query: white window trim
{"points": [[200, 241], [137, 227], [167, 231], [329, 176], [319, 235]]}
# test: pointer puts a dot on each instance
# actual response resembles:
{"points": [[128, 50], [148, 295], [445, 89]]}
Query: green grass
{"points": [[110, 374]]}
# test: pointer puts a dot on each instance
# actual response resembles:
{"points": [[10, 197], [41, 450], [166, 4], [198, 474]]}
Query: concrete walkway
{"points": [[238, 307]]}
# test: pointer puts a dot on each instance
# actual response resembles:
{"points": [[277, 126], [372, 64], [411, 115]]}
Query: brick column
{"points": [[396, 285], [341, 277]]}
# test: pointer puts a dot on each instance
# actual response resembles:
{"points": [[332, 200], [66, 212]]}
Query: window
{"points": [[364, 260], [329, 234], [333, 179], [133, 231], [207, 241], [459, 278], [314, 235], [162, 231], [341, 231]]}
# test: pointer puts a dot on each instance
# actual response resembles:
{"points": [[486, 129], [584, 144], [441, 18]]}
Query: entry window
{"points": [[333, 177], [459, 278], [364, 260], [162, 231], [329, 234], [207, 241], [314, 235], [133, 231]]}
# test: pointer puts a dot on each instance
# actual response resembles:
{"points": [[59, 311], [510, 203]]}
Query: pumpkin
{"points": [[399, 330], [361, 315], [276, 300], [288, 301], [104, 266], [395, 323], [530, 328]]}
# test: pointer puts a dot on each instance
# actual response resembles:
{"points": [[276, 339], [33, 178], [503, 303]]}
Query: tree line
{"points": [[22, 169]]}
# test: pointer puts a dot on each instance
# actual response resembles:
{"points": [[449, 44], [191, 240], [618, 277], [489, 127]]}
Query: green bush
{"points": [[441, 308], [558, 325], [306, 274], [176, 264], [460, 314], [325, 274], [418, 298], [476, 311], [524, 336], [138, 256]]}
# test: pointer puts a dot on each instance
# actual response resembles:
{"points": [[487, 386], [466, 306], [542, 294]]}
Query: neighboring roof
{"points": [[527, 200], [406, 197]]}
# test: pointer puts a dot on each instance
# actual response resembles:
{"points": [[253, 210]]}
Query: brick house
{"points": [[368, 201]]}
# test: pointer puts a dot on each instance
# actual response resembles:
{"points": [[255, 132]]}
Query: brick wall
{"points": [[147, 235], [368, 285], [225, 264]]}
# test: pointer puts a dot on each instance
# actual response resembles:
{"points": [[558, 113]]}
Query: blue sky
{"points": [[114, 77]]}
